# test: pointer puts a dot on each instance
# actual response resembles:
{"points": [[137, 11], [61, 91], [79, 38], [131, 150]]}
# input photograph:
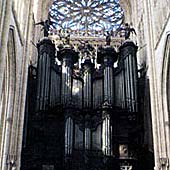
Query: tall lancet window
{"points": [[87, 16]]}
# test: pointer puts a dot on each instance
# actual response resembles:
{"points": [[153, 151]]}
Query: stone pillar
{"points": [[107, 56], [128, 55], [88, 67], [106, 130], [4, 30], [46, 53], [2, 13], [160, 151]]}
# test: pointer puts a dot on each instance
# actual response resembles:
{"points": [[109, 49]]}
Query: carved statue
{"points": [[86, 49], [128, 30], [64, 37], [46, 26], [12, 165], [108, 38]]}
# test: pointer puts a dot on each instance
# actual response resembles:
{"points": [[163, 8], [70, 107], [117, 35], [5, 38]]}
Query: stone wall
{"points": [[16, 51], [151, 19]]}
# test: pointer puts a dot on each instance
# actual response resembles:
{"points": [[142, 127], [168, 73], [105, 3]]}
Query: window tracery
{"points": [[86, 15]]}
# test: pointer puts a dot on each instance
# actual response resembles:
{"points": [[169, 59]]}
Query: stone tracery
{"points": [[86, 15]]}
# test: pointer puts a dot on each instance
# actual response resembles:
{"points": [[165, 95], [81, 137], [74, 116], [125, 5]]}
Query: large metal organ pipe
{"points": [[68, 135], [87, 88], [106, 130], [87, 138], [108, 75], [88, 67], [107, 56], [46, 52], [97, 92], [119, 82], [77, 94], [128, 55], [67, 56], [55, 87]]}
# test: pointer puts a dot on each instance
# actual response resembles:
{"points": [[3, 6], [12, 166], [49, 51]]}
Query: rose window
{"points": [[86, 15]]}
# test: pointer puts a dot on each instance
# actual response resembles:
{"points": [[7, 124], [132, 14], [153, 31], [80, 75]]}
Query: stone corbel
{"points": [[11, 162], [163, 163]]}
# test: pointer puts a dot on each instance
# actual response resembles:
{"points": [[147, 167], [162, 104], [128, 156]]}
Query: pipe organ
{"points": [[127, 54], [86, 111], [46, 55]]}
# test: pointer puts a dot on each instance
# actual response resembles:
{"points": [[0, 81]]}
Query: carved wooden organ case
{"points": [[86, 108]]}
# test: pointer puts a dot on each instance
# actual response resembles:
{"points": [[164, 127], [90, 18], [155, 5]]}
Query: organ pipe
{"points": [[55, 90], [107, 56], [87, 88], [128, 56], [97, 92], [77, 92], [68, 57], [87, 138], [46, 52], [68, 135], [106, 130]]}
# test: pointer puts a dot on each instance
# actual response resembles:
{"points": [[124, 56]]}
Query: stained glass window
{"points": [[86, 15]]}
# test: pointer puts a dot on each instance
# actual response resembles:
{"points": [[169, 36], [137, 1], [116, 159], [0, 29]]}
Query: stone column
{"points": [[2, 13], [128, 55], [4, 30], [46, 52], [161, 161], [107, 56]]}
